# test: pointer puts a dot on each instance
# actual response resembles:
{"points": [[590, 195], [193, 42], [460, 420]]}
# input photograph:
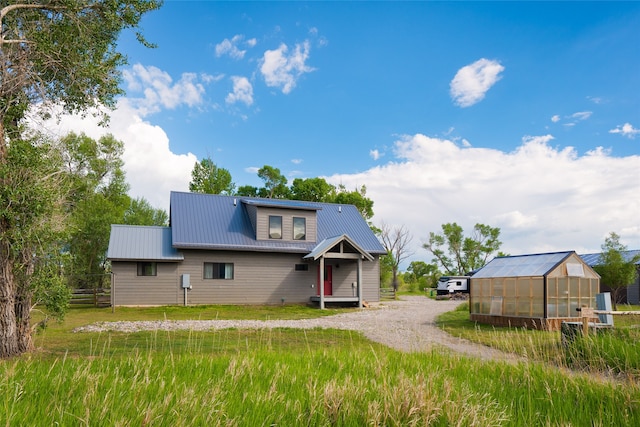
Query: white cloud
{"points": [[472, 82], [159, 91], [208, 78], [375, 154], [296, 161], [626, 130], [555, 118], [242, 91], [582, 115], [282, 70], [152, 169], [230, 47], [542, 198]]}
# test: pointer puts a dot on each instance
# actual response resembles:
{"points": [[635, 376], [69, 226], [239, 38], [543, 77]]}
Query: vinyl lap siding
{"points": [[131, 289], [346, 274], [258, 279], [262, 223]]}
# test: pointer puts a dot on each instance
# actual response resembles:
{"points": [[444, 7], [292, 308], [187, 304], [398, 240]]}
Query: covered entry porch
{"points": [[339, 254]]}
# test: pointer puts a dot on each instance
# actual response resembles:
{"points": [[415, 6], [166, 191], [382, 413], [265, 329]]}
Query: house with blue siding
{"points": [[246, 250]]}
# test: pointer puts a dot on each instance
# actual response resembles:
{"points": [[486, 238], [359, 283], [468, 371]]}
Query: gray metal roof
{"points": [[208, 221], [279, 203], [594, 259], [141, 243], [522, 265]]}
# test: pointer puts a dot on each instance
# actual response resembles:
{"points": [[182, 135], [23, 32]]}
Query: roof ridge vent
{"points": [[339, 209]]}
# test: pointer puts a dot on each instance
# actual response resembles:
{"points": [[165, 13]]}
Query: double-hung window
{"points": [[275, 227], [299, 228], [218, 270]]}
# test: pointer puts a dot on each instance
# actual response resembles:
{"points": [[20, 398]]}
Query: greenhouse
{"points": [[535, 291]]}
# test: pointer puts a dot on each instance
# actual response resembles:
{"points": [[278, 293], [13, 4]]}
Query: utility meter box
{"points": [[185, 280]]}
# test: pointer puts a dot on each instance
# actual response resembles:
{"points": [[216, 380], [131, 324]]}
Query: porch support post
{"points": [[359, 279], [321, 284]]}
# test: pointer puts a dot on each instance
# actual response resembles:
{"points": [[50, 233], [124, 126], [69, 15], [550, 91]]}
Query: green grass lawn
{"points": [[287, 377], [614, 351]]}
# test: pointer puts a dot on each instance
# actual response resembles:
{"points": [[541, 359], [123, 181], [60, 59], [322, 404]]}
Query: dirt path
{"points": [[409, 325]]}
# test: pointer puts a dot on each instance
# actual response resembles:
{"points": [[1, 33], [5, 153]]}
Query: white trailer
{"points": [[448, 285]]}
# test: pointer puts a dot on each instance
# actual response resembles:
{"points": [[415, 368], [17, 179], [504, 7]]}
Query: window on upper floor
{"points": [[299, 228], [147, 269], [218, 270], [275, 227]]}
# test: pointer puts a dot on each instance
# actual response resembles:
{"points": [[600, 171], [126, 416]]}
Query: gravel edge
{"points": [[407, 324]]}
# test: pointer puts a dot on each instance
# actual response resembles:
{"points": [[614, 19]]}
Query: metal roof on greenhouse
{"points": [[522, 265]]}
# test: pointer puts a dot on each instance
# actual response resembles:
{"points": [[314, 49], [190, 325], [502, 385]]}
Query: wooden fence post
{"points": [[587, 313]]}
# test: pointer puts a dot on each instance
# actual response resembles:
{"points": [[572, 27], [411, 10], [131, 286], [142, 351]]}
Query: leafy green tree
{"points": [[32, 217], [140, 212], [59, 52], [312, 190], [275, 184], [91, 223], [386, 270], [357, 197], [458, 254], [208, 178], [422, 274], [615, 271], [98, 199], [247, 191], [92, 164]]}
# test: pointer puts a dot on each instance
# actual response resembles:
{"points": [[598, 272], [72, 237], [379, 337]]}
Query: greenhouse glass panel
{"points": [[574, 287], [537, 309], [563, 308], [552, 287], [524, 308], [563, 288], [498, 287], [509, 307], [537, 288], [552, 307]]}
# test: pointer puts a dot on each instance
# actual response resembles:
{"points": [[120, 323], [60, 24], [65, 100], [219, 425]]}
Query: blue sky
{"points": [[520, 115]]}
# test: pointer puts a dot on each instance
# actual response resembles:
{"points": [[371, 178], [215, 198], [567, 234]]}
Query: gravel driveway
{"points": [[407, 325]]}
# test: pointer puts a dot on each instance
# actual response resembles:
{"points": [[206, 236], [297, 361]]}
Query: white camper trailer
{"points": [[448, 285]]}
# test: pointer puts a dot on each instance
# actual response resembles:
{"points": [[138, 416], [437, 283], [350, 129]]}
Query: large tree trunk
{"points": [[9, 345], [23, 322], [23, 303]]}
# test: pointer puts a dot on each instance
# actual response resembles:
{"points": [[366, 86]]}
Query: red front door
{"points": [[328, 282]]}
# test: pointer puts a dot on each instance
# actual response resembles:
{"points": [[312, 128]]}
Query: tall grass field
{"points": [[288, 377]]}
